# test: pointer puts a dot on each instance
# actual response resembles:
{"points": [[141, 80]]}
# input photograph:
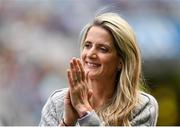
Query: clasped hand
{"points": [[77, 98]]}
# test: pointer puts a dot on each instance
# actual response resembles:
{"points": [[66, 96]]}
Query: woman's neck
{"points": [[102, 91]]}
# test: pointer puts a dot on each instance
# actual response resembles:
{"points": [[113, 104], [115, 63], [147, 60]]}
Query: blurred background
{"points": [[39, 37]]}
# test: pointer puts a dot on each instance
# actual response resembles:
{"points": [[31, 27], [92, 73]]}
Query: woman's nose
{"points": [[92, 53]]}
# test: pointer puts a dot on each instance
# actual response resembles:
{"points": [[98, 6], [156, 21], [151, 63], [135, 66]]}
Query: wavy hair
{"points": [[119, 110]]}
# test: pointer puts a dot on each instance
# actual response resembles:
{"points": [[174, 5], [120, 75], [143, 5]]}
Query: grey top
{"points": [[144, 115]]}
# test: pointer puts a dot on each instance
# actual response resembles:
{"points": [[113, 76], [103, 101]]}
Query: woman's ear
{"points": [[119, 67]]}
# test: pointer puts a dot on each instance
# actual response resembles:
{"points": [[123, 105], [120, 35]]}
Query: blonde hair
{"points": [[118, 110]]}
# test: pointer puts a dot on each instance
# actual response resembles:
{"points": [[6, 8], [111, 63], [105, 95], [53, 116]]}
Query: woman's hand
{"points": [[79, 92], [70, 114]]}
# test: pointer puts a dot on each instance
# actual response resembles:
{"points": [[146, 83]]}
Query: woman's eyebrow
{"points": [[103, 44]]}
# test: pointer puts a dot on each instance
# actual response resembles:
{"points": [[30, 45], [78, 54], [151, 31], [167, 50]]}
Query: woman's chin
{"points": [[92, 75]]}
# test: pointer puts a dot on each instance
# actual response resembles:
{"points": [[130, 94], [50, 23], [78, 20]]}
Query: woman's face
{"points": [[99, 56]]}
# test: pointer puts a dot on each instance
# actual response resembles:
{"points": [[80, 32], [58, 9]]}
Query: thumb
{"points": [[67, 99], [90, 93], [87, 76]]}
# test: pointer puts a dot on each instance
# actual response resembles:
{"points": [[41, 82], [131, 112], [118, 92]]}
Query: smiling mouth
{"points": [[92, 65]]}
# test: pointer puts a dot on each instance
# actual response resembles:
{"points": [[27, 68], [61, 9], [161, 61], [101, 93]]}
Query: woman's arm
{"points": [[53, 110], [48, 115]]}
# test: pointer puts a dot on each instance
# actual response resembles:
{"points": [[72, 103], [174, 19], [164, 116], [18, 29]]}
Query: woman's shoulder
{"points": [[146, 99], [146, 103], [146, 110], [58, 95]]}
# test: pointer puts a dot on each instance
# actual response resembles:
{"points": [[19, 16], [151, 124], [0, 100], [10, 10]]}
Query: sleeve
{"points": [[91, 119], [148, 113], [48, 114]]}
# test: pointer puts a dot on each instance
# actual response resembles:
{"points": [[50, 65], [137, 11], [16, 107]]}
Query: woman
{"points": [[104, 85]]}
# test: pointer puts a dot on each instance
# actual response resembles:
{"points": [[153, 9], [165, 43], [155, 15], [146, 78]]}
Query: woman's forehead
{"points": [[99, 35]]}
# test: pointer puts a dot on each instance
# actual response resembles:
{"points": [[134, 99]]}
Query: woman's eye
{"points": [[87, 45], [103, 49]]}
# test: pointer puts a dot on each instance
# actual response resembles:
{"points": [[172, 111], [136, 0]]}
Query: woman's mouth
{"points": [[92, 65]]}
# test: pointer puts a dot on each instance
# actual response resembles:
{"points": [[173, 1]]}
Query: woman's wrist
{"points": [[64, 123], [84, 111]]}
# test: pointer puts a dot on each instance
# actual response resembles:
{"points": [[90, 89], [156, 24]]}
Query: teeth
{"points": [[92, 65]]}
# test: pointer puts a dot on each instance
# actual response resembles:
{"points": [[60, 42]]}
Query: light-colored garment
{"points": [[144, 115]]}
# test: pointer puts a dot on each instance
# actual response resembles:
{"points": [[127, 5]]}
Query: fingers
{"points": [[70, 80], [76, 71], [79, 91], [81, 69], [73, 71]]}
